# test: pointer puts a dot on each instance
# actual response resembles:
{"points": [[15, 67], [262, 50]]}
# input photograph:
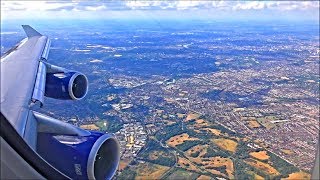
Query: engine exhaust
{"points": [[78, 86]]}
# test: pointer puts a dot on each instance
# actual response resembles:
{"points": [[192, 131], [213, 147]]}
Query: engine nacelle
{"points": [[66, 85], [81, 157]]}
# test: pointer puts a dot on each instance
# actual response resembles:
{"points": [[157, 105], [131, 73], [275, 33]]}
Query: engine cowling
{"points": [[81, 157], [66, 85]]}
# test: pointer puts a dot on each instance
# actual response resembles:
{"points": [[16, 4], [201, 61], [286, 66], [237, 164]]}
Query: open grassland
{"points": [[150, 171], [179, 139], [255, 176], [196, 152], [204, 177], [213, 131], [298, 175], [192, 116], [220, 162], [287, 151], [216, 172], [90, 127], [200, 123], [226, 144], [186, 164], [200, 149], [268, 169], [211, 164], [180, 115], [123, 164], [168, 122], [216, 165], [261, 155], [253, 124]]}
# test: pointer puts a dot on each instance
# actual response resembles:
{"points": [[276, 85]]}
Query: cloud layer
{"points": [[17, 9], [156, 5]]}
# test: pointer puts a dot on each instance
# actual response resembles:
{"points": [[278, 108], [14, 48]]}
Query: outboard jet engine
{"points": [[78, 153], [59, 83], [66, 85]]}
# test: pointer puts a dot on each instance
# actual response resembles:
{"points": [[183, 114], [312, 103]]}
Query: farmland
{"points": [[179, 139], [150, 171], [187, 164], [226, 144], [268, 169], [298, 175], [203, 149], [261, 155]]}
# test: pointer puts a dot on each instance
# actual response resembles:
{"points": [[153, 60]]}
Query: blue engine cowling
{"points": [[66, 85], [81, 157]]}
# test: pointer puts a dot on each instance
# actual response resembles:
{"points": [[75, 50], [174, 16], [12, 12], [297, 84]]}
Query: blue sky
{"points": [[146, 9]]}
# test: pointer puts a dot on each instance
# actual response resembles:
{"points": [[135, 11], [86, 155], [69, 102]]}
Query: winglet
{"points": [[30, 32]]}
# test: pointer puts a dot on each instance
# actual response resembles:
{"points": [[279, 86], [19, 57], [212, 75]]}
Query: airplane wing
{"points": [[19, 69], [26, 77]]}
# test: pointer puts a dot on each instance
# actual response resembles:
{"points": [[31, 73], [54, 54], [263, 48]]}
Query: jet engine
{"points": [[66, 85], [78, 153]]}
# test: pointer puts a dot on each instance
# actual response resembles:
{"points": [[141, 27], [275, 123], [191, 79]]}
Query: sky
{"points": [[168, 9]]}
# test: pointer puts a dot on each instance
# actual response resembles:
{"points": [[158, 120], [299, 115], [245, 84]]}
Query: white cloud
{"points": [[12, 9], [254, 5], [49, 6], [182, 5], [224, 5], [280, 5], [95, 8], [138, 4], [145, 5], [33, 5]]}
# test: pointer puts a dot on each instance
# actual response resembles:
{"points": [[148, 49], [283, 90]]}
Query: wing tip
{"points": [[30, 32]]}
